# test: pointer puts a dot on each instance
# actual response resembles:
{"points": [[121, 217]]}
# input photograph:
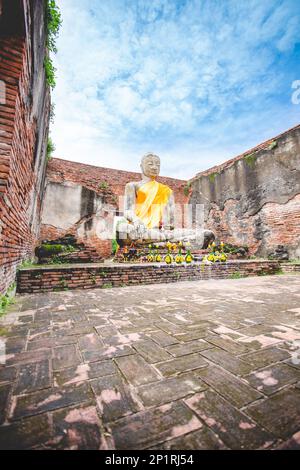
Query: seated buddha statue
{"points": [[149, 212]]}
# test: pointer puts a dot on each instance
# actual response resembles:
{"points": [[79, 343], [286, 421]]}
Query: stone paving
{"points": [[193, 365]]}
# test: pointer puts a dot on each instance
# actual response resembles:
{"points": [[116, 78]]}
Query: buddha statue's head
{"points": [[150, 165]]}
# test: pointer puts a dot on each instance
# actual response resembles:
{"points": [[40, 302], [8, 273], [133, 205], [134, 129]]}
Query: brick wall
{"points": [[91, 176], [49, 278], [290, 267], [80, 197], [254, 199], [24, 112]]}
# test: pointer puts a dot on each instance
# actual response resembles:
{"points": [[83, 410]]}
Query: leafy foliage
{"points": [[115, 246], [50, 148], [50, 71], [7, 298], [26, 264], [103, 186], [53, 23]]}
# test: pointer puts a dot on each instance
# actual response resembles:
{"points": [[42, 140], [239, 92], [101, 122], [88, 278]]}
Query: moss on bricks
{"points": [[212, 177], [250, 160]]}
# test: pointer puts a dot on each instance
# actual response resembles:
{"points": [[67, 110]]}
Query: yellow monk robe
{"points": [[152, 198]]}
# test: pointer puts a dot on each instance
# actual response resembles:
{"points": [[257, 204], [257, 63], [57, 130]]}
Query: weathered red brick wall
{"points": [[24, 115], [90, 276], [90, 176], [254, 199], [65, 177]]}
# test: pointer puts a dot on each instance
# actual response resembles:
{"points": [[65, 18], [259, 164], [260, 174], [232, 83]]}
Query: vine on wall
{"points": [[53, 23]]}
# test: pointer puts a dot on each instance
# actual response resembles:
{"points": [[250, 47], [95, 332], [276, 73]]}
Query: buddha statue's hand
{"points": [[139, 227]]}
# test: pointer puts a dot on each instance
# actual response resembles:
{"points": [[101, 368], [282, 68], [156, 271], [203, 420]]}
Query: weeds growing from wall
{"points": [[7, 298], [53, 23]]}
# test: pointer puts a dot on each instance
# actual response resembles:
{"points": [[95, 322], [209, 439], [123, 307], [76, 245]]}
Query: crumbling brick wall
{"points": [[254, 199], [92, 177], [24, 117]]}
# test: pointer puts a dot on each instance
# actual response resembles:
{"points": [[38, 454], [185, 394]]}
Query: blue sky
{"points": [[194, 81]]}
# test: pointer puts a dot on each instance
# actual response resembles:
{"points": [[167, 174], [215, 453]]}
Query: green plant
{"points": [[50, 148], [27, 263], [187, 189], [279, 271], [103, 186], [7, 298], [232, 249], [53, 18], [55, 249], [262, 273], [107, 286], [212, 177], [50, 72], [57, 260], [250, 160], [52, 249], [53, 24], [114, 246], [235, 275]]}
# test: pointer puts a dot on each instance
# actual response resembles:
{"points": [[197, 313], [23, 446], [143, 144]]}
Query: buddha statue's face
{"points": [[150, 166]]}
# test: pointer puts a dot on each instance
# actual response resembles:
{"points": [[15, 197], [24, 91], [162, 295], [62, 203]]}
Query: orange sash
{"points": [[152, 198]]}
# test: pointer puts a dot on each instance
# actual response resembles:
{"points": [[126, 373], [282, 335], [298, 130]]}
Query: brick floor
{"points": [[194, 365]]}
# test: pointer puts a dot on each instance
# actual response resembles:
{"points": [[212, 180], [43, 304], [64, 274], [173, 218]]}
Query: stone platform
{"points": [[193, 365], [87, 276]]}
